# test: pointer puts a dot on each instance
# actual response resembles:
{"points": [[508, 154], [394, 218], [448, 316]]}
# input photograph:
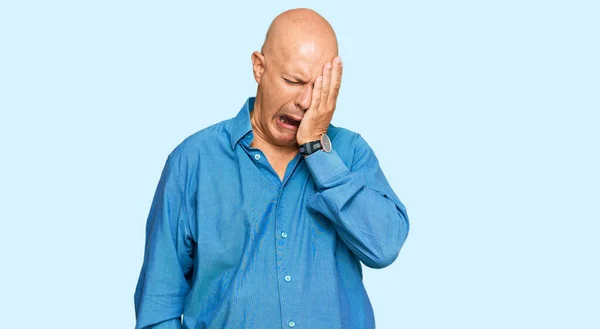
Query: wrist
{"points": [[307, 139], [302, 141]]}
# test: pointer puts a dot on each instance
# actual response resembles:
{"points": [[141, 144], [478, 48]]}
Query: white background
{"points": [[484, 115]]}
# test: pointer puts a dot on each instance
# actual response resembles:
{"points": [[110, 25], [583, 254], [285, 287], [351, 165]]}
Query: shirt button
{"points": [[257, 157], [284, 235], [288, 278], [291, 324], [248, 137]]}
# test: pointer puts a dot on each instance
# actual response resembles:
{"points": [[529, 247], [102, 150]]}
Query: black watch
{"points": [[311, 147]]}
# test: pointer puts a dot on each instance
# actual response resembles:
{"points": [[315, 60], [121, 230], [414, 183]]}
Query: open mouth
{"points": [[289, 122]]}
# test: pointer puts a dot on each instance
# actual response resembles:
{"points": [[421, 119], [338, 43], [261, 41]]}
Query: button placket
{"points": [[285, 265], [284, 295]]}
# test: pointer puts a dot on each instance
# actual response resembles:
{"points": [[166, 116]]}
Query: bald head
{"points": [[297, 28]]}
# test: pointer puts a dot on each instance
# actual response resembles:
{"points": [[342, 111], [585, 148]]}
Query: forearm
{"points": [[371, 223]]}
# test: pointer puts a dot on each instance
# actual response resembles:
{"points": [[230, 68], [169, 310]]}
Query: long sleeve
{"points": [[165, 277], [359, 201]]}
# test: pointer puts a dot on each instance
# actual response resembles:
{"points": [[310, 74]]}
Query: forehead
{"points": [[305, 60]]}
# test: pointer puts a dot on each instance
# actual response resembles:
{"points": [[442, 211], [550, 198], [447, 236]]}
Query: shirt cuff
{"points": [[325, 168]]}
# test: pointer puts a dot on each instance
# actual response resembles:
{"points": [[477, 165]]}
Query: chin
{"points": [[283, 137], [286, 139], [289, 141]]}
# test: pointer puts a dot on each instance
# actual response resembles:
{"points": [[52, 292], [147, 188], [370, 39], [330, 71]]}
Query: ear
{"points": [[258, 65]]}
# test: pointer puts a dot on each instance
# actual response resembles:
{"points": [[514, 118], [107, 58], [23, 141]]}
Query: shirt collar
{"points": [[241, 123]]}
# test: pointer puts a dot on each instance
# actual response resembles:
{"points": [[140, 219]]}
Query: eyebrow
{"points": [[296, 77], [296, 73]]}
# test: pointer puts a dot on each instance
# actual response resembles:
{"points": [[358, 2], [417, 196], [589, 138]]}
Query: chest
{"points": [[247, 207]]}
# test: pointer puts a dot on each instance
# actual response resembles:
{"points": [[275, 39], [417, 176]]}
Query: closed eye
{"points": [[289, 82]]}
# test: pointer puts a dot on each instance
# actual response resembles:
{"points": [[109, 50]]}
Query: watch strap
{"points": [[309, 148]]}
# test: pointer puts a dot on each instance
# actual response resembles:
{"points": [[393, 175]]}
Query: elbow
{"points": [[385, 256], [389, 249], [382, 261]]}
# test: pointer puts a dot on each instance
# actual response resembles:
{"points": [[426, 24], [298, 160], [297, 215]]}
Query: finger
{"points": [[326, 81], [336, 81], [316, 93]]}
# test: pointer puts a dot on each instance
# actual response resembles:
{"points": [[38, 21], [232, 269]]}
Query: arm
{"points": [[360, 203], [164, 280], [366, 213]]}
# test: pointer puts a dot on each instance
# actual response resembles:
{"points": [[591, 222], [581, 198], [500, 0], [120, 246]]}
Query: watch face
{"points": [[326, 143]]}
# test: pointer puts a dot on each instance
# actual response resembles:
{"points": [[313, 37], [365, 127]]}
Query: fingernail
{"points": [[337, 60], [328, 65]]}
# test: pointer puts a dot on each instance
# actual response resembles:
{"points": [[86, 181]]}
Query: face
{"points": [[285, 83]]}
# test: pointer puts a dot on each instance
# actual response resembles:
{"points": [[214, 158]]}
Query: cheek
{"points": [[277, 87], [279, 95]]}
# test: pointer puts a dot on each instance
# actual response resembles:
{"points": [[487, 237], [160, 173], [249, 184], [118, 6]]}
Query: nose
{"points": [[304, 97]]}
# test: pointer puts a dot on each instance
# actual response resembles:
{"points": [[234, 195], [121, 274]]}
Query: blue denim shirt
{"points": [[231, 245]]}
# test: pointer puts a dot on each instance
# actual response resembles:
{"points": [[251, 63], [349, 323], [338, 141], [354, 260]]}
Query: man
{"points": [[261, 221]]}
